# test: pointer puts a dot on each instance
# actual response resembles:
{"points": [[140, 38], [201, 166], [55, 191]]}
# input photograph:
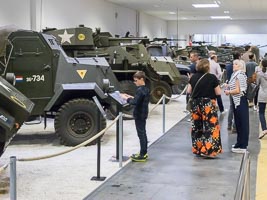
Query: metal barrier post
{"points": [[98, 177], [13, 178], [120, 140], [117, 134], [163, 115]]}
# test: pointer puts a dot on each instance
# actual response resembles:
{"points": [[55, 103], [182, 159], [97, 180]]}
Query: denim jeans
{"points": [[262, 107], [140, 125]]}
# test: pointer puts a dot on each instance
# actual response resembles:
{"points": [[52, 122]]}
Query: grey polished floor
{"points": [[174, 173]]}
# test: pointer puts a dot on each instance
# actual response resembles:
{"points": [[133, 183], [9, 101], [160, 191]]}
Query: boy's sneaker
{"points": [[239, 150], [139, 158]]}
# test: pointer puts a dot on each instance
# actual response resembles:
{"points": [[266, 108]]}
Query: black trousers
{"points": [[241, 115], [140, 125], [220, 103]]}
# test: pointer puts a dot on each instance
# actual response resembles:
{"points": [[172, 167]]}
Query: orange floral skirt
{"points": [[205, 130]]}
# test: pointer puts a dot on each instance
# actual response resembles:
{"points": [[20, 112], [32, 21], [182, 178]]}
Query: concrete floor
{"points": [[68, 177], [173, 172]]}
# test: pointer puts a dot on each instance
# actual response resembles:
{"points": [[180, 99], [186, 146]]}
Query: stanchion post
{"points": [[120, 139], [163, 115], [117, 134], [98, 177], [13, 178]]}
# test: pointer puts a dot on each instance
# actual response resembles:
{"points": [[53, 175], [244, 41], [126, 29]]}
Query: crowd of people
{"points": [[205, 91]]}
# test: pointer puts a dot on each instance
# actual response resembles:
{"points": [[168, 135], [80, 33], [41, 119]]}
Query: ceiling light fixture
{"points": [[172, 13], [226, 12], [220, 17], [213, 5]]}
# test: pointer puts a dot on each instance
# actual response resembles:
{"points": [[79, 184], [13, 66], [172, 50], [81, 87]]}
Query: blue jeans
{"points": [[140, 125], [262, 107]]}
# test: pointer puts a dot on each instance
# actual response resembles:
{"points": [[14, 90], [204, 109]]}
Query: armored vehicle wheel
{"points": [[177, 89], [157, 89], [76, 122]]}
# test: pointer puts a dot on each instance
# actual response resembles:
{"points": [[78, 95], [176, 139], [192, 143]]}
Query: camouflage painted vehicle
{"points": [[125, 56], [61, 87]]}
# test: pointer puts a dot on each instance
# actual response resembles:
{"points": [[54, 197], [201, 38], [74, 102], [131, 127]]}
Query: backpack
{"points": [[252, 89]]}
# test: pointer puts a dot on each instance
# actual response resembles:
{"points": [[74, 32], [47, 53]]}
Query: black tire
{"points": [[76, 121], [157, 89], [178, 89]]}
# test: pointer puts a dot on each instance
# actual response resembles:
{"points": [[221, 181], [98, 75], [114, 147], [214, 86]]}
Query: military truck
{"points": [[61, 87], [125, 56]]}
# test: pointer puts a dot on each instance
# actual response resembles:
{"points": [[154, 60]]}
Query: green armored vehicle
{"points": [[164, 52], [64, 88], [125, 56], [15, 108]]}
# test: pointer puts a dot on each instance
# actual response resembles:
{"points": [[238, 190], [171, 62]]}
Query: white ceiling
{"points": [[238, 9]]}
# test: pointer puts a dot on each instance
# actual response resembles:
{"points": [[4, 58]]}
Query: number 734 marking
{"points": [[35, 78]]}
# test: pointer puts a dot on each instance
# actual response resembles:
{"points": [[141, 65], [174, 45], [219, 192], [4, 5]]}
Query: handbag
{"points": [[190, 100], [251, 92]]}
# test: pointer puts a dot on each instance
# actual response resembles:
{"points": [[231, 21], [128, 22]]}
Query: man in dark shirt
{"points": [[193, 58], [140, 102]]}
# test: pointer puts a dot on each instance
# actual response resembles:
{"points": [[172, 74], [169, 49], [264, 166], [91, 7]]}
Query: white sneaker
{"points": [[239, 150], [255, 108]]}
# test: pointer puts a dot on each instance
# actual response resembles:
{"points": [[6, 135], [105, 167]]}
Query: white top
{"points": [[242, 77]]}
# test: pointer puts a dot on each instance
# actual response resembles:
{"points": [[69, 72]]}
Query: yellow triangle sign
{"points": [[81, 73]]}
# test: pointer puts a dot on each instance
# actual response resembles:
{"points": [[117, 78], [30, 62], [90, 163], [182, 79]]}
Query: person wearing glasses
{"points": [[140, 102]]}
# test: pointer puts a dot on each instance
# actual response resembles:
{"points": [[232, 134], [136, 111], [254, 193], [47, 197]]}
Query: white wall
{"points": [[218, 27], [15, 12], [223, 31], [68, 13], [151, 26], [39, 14]]}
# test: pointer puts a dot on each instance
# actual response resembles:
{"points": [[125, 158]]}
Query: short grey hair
{"points": [[239, 63]]}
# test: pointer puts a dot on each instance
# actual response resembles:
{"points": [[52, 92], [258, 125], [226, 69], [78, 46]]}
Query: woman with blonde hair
{"points": [[237, 89], [205, 133]]}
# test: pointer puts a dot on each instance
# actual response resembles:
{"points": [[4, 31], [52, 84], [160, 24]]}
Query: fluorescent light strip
{"points": [[220, 17], [214, 5]]}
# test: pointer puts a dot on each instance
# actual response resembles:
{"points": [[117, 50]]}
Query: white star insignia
{"points": [[65, 37]]}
